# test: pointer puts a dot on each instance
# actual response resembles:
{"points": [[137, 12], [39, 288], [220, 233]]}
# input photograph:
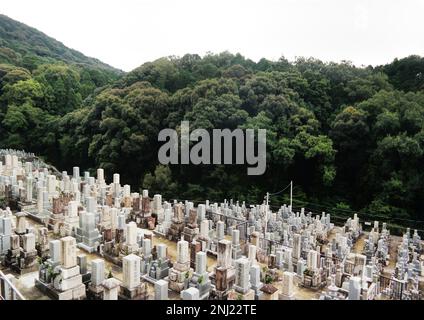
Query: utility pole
{"points": [[266, 213], [291, 195]]}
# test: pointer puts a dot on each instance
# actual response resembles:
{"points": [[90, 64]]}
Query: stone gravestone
{"points": [[161, 290]]}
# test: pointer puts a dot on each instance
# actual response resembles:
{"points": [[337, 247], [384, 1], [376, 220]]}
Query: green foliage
{"points": [[406, 74], [27, 47], [160, 182], [350, 138], [61, 87], [343, 206], [23, 91], [27, 127], [3, 202], [308, 272], [268, 279]]}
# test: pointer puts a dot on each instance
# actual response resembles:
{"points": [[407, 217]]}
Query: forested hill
{"points": [[27, 47], [351, 138]]}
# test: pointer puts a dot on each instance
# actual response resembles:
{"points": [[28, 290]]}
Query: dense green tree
{"points": [[160, 182], [406, 74], [350, 138], [61, 87], [30, 91], [28, 128]]}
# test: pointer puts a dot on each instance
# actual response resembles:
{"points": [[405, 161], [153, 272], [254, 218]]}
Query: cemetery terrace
{"points": [[74, 237]]}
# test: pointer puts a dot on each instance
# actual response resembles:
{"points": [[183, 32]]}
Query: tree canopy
{"points": [[350, 138]]}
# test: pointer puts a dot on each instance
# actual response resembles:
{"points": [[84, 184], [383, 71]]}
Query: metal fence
{"points": [[8, 291]]}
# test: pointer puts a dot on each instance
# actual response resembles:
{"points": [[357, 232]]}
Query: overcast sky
{"points": [[127, 33]]}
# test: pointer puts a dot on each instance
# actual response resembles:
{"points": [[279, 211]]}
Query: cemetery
{"points": [[77, 237]]}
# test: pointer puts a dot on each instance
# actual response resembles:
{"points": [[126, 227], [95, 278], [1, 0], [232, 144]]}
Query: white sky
{"points": [[127, 33]]}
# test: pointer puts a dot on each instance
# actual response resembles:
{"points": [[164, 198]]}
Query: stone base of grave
{"points": [[159, 272], [151, 222], [27, 206], [204, 287], [11, 257], [134, 215], [234, 295], [45, 288], [53, 223], [175, 231], [204, 243], [22, 263], [4, 244], [86, 248], [77, 293], [95, 292], [29, 256], [177, 286], [42, 218], [142, 222], [13, 253], [145, 264], [24, 270], [68, 284], [129, 249], [137, 293], [111, 248], [86, 278], [194, 248], [114, 259], [312, 281], [179, 275], [162, 229], [189, 234], [235, 252], [43, 252], [43, 273], [223, 278], [261, 256], [70, 224], [205, 291], [257, 290], [69, 272], [88, 240], [212, 253], [181, 267]]}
